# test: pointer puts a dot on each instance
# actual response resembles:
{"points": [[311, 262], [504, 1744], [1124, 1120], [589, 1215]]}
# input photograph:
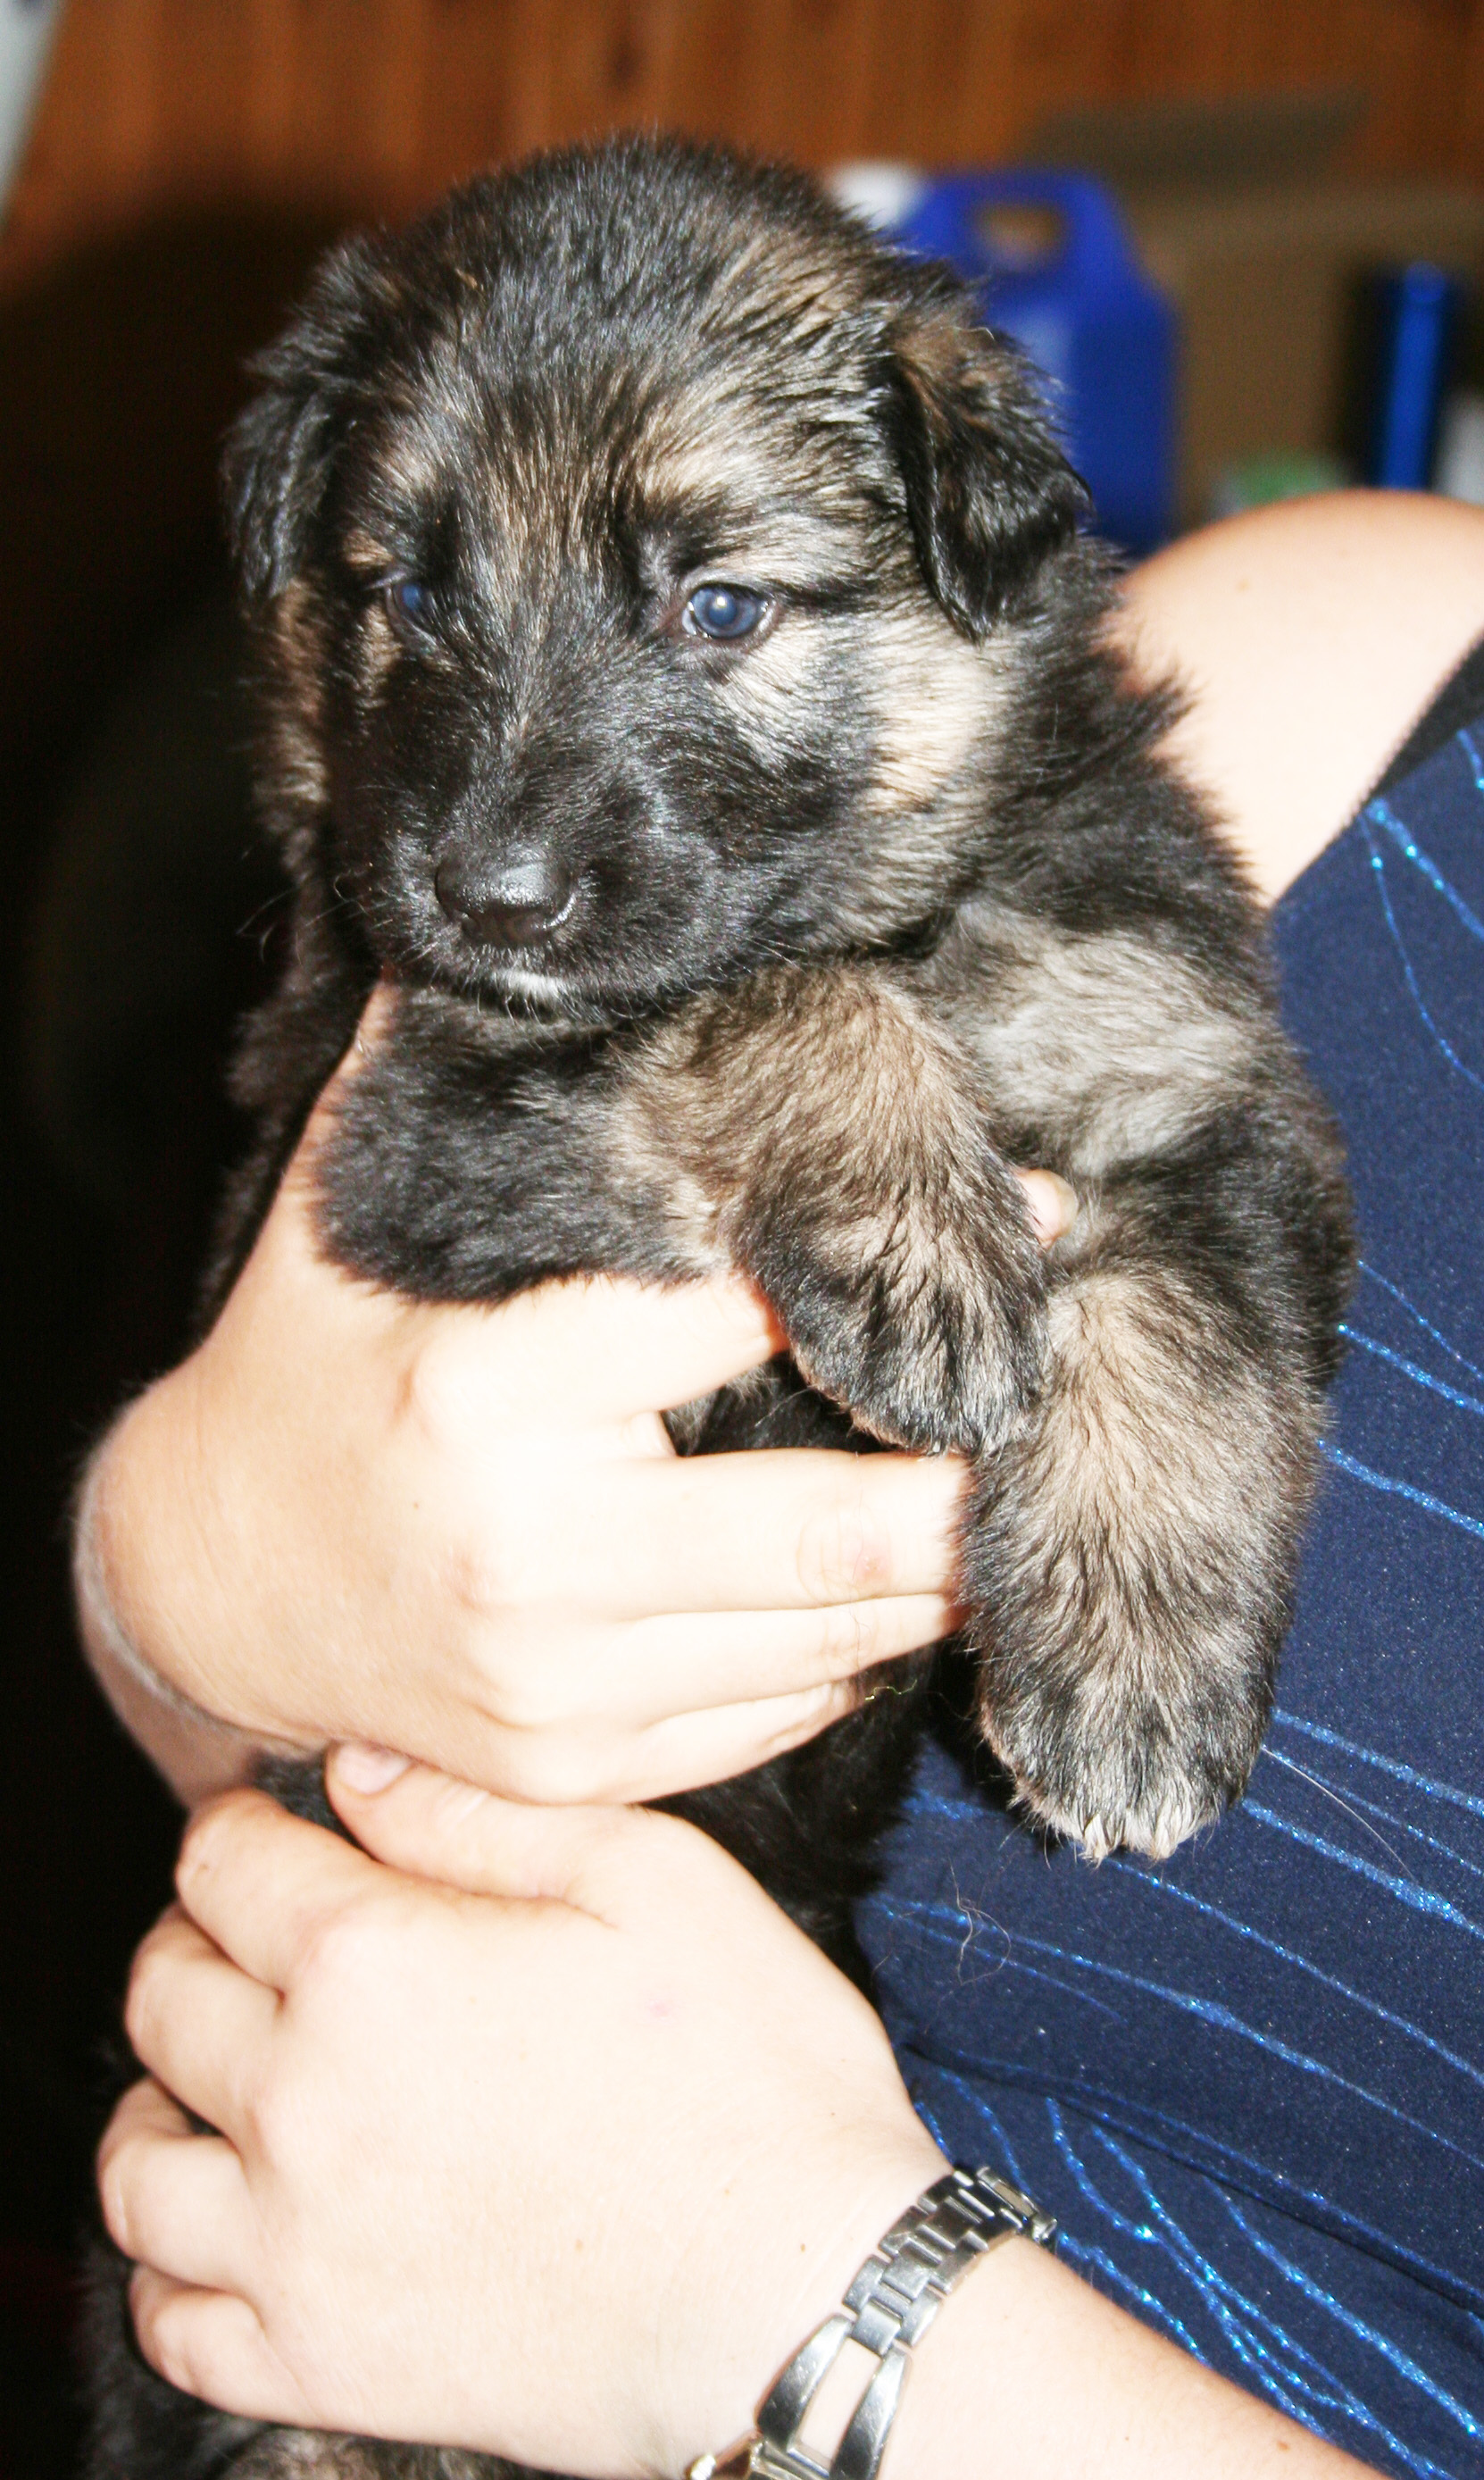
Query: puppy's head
{"points": [[643, 555]]}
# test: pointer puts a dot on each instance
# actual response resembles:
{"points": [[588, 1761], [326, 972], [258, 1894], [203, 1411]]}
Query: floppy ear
{"points": [[990, 494], [281, 453]]}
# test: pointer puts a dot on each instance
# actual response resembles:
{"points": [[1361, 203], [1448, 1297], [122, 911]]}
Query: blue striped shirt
{"points": [[1250, 2082]]}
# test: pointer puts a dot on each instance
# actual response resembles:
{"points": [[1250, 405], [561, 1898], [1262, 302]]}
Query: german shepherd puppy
{"points": [[686, 678]]}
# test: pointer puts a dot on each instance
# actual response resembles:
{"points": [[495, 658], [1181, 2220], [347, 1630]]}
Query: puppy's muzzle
{"points": [[516, 902]]}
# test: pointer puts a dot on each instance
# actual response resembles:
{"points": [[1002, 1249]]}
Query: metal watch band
{"points": [[888, 2307]]}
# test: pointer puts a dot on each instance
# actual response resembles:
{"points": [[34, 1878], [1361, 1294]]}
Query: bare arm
{"points": [[1311, 635]]}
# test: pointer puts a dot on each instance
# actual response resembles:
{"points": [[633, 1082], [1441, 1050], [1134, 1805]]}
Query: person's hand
{"points": [[463, 1533], [469, 2148], [568, 2164]]}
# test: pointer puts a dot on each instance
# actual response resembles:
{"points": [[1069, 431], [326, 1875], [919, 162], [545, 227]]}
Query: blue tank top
{"points": [[1249, 2082]]}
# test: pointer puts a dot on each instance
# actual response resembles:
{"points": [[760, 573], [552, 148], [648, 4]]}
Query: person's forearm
{"points": [[1028, 2370]]}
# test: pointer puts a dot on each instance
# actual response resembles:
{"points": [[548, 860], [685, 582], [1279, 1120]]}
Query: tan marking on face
{"points": [[801, 550], [295, 718], [377, 648], [409, 464], [362, 553], [718, 447], [765, 683], [701, 453], [295, 626], [935, 697]]}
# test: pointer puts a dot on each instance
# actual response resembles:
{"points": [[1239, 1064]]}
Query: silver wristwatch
{"points": [[888, 2307]]}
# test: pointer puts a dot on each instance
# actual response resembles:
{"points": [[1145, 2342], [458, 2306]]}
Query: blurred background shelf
{"points": [[188, 156], [371, 105]]}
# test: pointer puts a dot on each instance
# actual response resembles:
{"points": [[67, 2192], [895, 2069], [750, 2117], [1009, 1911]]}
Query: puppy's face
{"points": [[643, 554]]}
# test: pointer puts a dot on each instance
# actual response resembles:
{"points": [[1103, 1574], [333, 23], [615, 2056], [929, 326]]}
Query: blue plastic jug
{"points": [[1052, 260]]}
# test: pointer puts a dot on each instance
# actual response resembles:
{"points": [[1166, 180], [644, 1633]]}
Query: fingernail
{"points": [[367, 1770], [1052, 1202], [746, 1305]]}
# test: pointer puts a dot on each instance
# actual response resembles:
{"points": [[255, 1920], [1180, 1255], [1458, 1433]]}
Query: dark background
{"points": [[189, 158]]}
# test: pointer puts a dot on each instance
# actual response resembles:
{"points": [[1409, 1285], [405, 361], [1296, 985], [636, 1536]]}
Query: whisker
{"points": [[1328, 1793], [270, 904]]}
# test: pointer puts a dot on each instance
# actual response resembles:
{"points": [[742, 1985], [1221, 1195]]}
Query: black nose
{"points": [[514, 903]]}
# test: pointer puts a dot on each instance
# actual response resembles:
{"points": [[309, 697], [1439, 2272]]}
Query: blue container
{"points": [[1419, 319], [1052, 260]]}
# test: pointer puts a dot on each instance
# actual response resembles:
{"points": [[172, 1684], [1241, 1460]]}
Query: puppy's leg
{"points": [[1129, 1560], [820, 1131], [1144, 1408]]}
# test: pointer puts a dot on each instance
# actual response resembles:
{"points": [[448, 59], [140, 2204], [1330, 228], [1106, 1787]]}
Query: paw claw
{"points": [[1155, 1832]]}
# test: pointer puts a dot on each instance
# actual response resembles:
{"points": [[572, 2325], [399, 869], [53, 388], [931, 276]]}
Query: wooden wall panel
{"points": [[371, 105]]}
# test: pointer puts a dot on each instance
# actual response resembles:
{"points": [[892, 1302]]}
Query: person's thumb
{"points": [[428, 1825]]}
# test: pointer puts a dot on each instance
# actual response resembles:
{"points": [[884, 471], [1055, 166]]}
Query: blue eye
{"points": [[723, 611], [409, 605]]}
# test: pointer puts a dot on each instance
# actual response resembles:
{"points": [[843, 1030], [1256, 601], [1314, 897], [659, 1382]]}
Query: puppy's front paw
{"points": [[818, 1128], [1128, 1561], [1136, 1790], [1128, 1710], [924, 1317]]}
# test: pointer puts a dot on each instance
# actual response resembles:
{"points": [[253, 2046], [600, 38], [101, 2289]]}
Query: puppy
{"points": [[686, 678]]}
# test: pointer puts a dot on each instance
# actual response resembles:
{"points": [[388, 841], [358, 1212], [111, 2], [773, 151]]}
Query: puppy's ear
{"points": [[281, 450], [990, 494]]}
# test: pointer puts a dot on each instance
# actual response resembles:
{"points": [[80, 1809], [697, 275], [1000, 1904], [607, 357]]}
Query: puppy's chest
{"points": [[1088, 1050], [1079, 1051]]}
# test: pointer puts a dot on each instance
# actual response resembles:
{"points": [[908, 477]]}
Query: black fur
{"points": [[860, 910]]}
